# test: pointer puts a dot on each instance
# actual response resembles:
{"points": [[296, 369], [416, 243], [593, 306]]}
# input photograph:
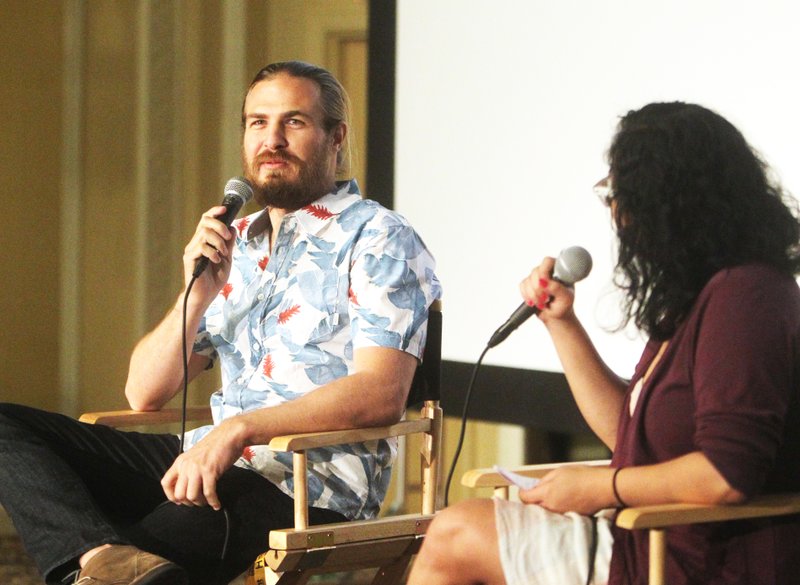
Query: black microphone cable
{"points": [[185, 355], [185, 360], [463, 425]]}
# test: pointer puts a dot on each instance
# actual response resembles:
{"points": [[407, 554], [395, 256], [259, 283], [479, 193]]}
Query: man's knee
{"points": [[21, 421], [7, 410], [11, 412], [11, 415]]}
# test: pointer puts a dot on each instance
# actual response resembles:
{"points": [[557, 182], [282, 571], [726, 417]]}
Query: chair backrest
{"points": [[427, 381]]}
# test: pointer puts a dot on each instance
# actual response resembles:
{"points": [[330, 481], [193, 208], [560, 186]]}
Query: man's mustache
{"points": [[278, 156]]}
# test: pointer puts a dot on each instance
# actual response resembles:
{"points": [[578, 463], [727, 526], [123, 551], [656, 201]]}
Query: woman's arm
{"points": [[690, 478], [598, 391]]}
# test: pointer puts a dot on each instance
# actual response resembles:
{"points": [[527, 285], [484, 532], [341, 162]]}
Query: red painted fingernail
{"points": [[530, 303], [543, 282], [543, 298]]}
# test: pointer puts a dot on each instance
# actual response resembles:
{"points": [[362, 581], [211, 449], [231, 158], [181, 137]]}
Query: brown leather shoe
{"points": [[127, 565]]}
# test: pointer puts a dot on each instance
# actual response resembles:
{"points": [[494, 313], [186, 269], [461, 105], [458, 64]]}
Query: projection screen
{"points": [[505, 110]]}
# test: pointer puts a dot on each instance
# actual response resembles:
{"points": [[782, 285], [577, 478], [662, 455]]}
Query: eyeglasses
{"points": [[604, 191]]}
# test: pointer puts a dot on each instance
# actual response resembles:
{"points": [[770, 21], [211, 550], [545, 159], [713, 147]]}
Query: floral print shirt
{"points": [[344, 273]]}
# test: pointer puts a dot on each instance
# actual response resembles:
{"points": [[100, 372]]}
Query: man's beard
{"points": [[290, 192]]}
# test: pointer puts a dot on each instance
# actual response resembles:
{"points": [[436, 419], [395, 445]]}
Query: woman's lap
{"points": [[539, 547]]}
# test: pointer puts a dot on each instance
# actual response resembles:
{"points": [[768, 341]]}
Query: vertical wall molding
{"points": [[158, 200], [69, 329], [233, 79], [142, 171]]}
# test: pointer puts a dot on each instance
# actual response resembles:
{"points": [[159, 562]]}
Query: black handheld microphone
{"points": [[238, 191], [573, 264]]}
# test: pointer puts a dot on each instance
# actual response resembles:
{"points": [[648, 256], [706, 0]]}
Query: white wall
{"points": [[505, 109]]}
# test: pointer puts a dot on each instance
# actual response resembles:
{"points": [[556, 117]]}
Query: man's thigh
{"points": [[121, 470]]}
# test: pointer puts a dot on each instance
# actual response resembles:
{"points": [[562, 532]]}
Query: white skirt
{"points": [[539, 547]]}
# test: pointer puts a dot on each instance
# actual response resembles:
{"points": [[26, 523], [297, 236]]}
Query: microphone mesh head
{"points": [[573, 264], [239, 187]]}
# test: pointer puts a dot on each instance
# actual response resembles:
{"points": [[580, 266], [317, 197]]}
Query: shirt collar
{"points": [[312, 217]]}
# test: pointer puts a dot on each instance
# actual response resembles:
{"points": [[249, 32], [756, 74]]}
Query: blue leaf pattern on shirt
{"points": [[319, 288], [386, 271], [321, 367]]}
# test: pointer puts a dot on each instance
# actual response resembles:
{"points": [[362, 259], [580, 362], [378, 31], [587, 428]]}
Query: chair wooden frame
{"points": [[655, 519], [389, 543]]}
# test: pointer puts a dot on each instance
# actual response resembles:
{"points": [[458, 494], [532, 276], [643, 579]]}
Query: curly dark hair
{"points": [[690, 197]]}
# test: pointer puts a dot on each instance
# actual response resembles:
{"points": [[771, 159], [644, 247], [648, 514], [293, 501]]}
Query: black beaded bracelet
{"points": [[620, 501]]}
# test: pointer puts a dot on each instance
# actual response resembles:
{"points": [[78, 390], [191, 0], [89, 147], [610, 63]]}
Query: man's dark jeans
{"points": [[70, 486]]}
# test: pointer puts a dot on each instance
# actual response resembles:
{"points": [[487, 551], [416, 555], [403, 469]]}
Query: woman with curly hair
{"points": [[709, 247]]}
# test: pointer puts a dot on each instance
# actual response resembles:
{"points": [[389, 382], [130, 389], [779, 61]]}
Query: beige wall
{"points": [[30, 87]]}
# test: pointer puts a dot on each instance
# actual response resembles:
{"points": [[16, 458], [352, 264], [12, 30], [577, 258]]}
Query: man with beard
{"points": [[315, 307]]}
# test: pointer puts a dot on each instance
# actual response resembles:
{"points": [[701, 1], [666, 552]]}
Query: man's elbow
{"points": [[386, 415], [393, 413], [142, 406], [139, 401], [384, 412]]}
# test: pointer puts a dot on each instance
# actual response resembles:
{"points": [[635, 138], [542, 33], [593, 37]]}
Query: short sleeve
{"points": [[392, 284], [202, 343]]}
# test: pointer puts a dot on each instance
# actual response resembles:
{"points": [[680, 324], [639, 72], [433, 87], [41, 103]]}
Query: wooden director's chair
{"points": [[655, 519], [295, 554]]}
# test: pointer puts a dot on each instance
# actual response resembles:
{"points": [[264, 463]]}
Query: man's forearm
{"points": [[156, 367], [372, 396]]}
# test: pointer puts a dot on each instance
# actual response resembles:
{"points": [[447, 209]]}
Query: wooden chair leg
{"points": [[658, 549], [501, 492]]}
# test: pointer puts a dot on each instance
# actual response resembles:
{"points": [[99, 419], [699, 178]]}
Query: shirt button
{"points": [[260, 296], [255, 346]]}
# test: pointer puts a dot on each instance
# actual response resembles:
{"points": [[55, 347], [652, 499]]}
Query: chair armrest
{"points": [[129, 418], [477, 478], [676, 514], [303, 441], [661, 516], [297, 442]]}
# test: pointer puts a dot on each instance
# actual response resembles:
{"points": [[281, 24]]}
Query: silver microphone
{"points": [[573, 264]]}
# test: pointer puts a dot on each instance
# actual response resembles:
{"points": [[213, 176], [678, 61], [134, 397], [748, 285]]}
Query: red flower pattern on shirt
{"points": [[248, 453], [262, 264], [226, 290], [268, 366], [288, 314], [318, 211], [242, 224], [353, 297]]}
